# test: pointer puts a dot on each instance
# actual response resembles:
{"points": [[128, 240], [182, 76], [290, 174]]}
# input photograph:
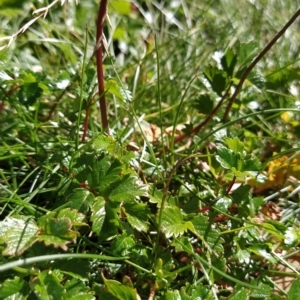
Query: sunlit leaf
{"points": [[16, 288], [112, 87], [210, 235], [80, 199], [75, 217], [226, 157], [262, 250], [291, 237], [119, 290], [126, 188], [108, 228], [120, 6], [223, 204], [18, 234], [247, 52], [77, 290], [172, 222], [98, 214], [56, 232], [294, 292], [234, 144], [263, 292], [242, 294], [182, 244], [47, 286], [243, 255], [123, 245], [63, 80]]}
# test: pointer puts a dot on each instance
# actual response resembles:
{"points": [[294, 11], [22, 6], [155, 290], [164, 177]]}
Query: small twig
{"points": [[99, 58], [230, 185], [256, 60], [152, 292]]}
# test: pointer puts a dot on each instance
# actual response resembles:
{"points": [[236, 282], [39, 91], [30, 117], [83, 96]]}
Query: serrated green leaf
{"points": [[123, 245], [235, 144], [15, 288], [264, 291], [17, 234], [241, 193], [28, 77], [77, 268], [119, 290], [172, 222], [126, 188], [80, 199], [137, 215], [203, 229], [247, 52], [223, 203], [226, 157], [216, 78], [182, 244], [98, 214], [48, 286], [251, 164], [72, 214], [204, 104], [99, 171], [256, 79], [112, 87], [294, 292], [243, 256], [77, 290], [273, 231], [30, 93], [109, 227], [104, 143], [56, 232], [173, 295], [220, 264], [228, 62], [196, 291], [242, 294], [262, 250]]}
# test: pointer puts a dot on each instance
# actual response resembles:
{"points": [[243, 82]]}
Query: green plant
{"points": [[210, 212]]}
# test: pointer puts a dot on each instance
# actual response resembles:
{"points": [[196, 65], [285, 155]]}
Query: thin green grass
{"points": [[169, 240]]}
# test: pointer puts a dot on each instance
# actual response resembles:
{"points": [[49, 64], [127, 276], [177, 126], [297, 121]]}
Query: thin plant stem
{"points": [[81, 89], [99, 59]]}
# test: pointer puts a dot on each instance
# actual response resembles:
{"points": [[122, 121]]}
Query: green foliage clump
{"points": [[194, 192]]}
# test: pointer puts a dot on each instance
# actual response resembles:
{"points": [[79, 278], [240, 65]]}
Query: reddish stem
{"points": [[196, 129], [99, 58], [230, 185]]}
